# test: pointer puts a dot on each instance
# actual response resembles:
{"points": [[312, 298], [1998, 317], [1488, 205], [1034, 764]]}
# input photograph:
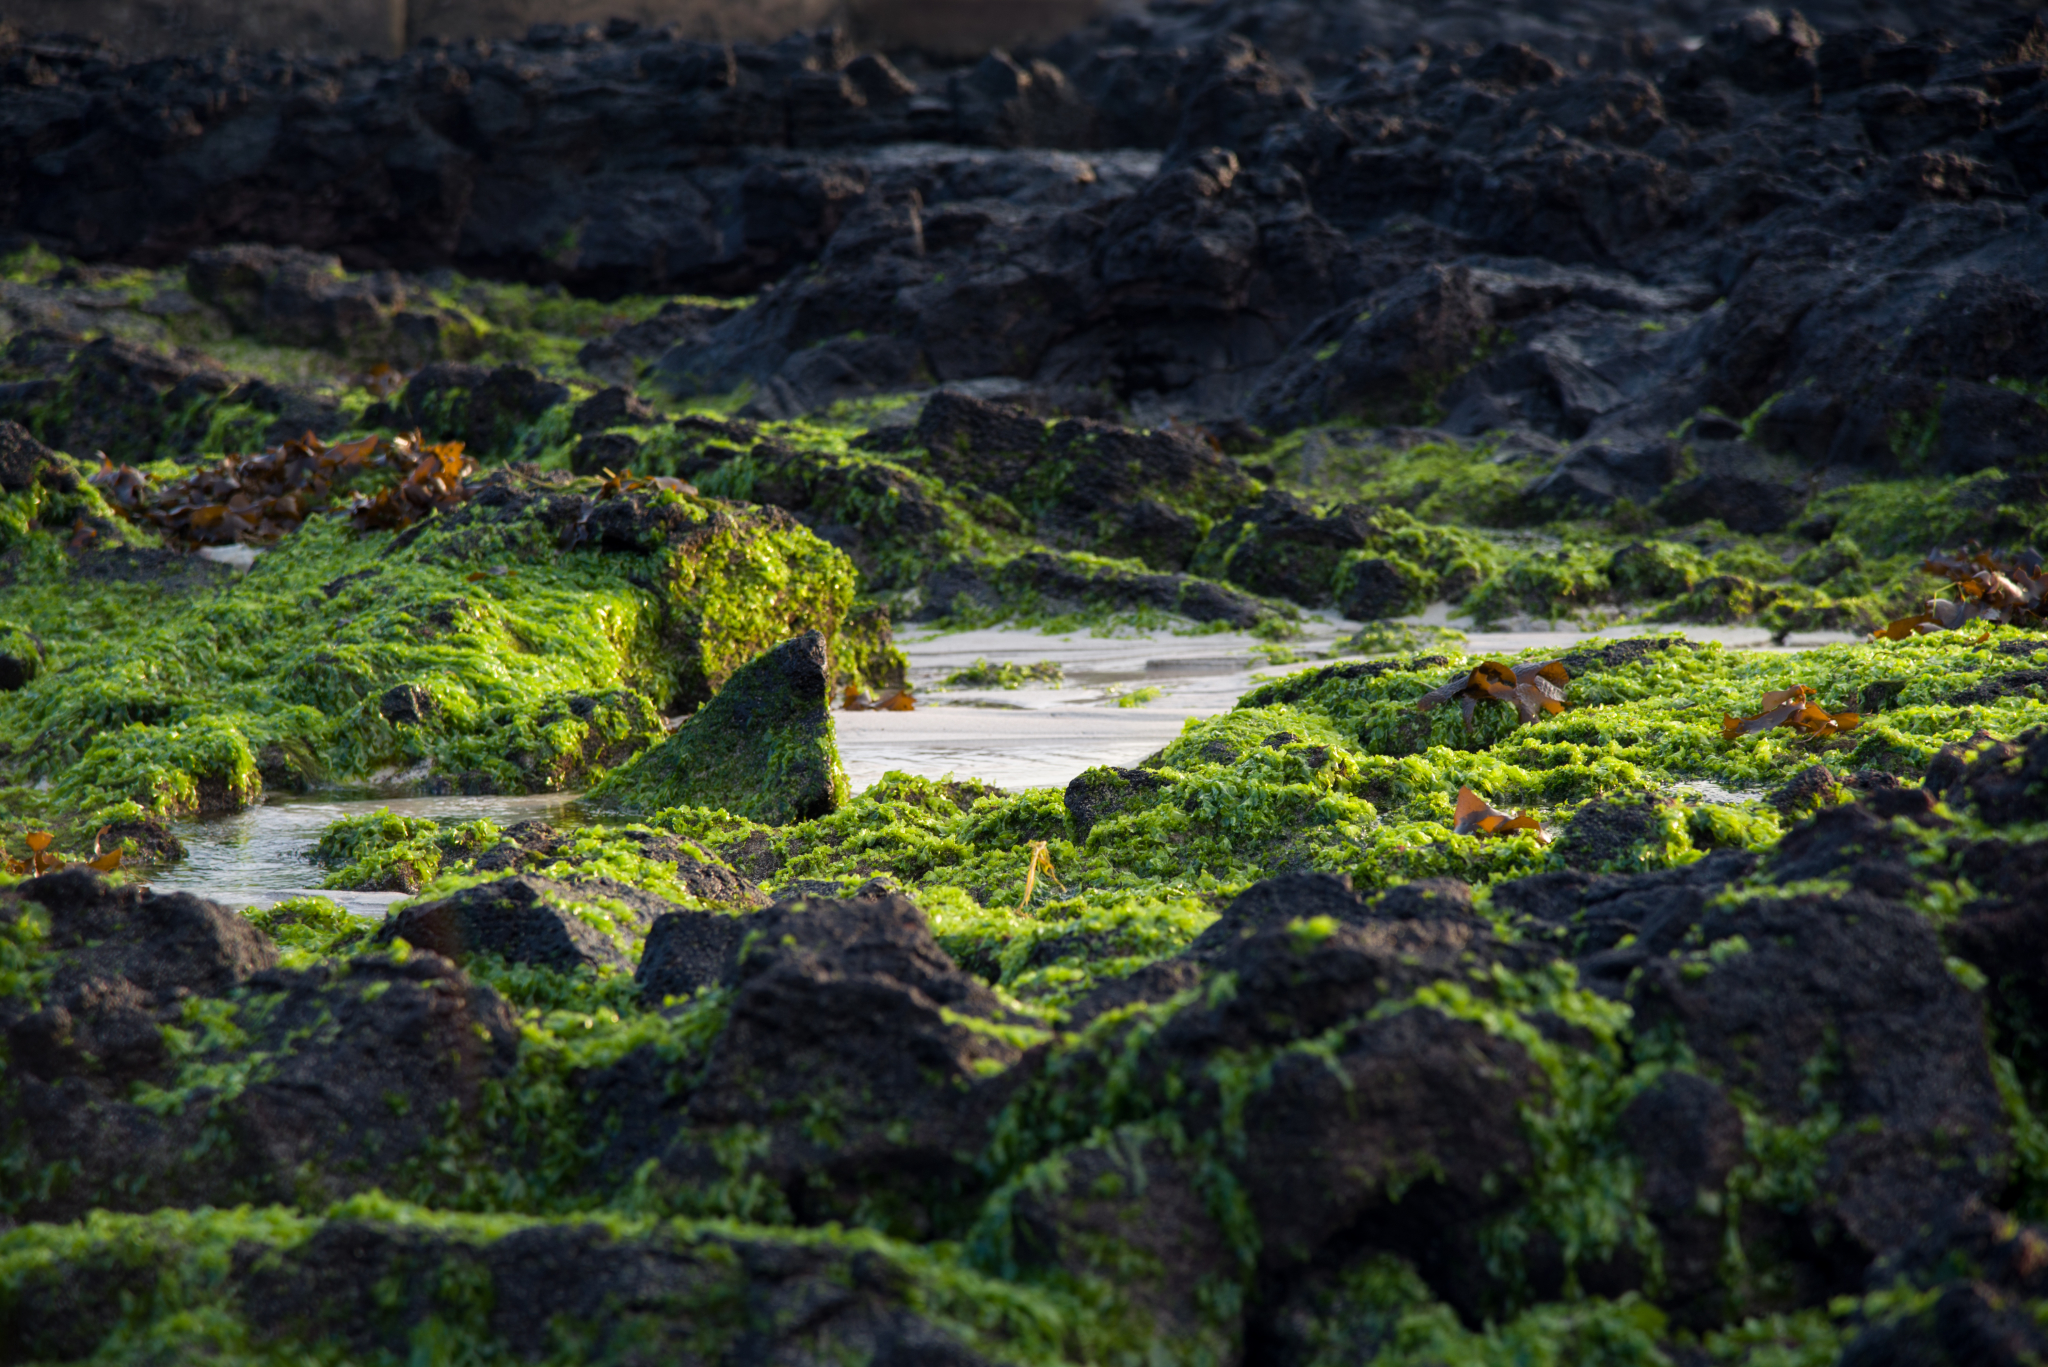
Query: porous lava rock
{"points": [[1295, 223], [364, 1285], [364, 1058], [22, 457], [21, 657], [1104, 792], [848, 1009]]}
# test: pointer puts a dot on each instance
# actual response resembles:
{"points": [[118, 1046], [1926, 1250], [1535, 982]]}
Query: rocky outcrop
{"points": [[337, 1076], [527, 920], [734, 1297], [762, 748], [1529, 237]]}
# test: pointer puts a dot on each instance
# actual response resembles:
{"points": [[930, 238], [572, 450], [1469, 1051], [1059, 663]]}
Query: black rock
{"points": [[1107, 791], [529, 920], [21, 657], [406, 705], [690, 950], [1753, 506], [609, 408], [22, 457]]}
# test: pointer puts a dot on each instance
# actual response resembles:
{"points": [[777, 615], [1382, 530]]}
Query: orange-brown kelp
{"points": [[1536, 690]]}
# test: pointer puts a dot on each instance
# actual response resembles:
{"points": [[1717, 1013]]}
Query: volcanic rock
{"points": [[365, 1056], [528, 920], [22, 457]]}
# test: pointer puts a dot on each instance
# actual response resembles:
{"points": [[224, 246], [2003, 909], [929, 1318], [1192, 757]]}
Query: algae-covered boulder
{"points": [[850, 1009], [371, 1284], [21, 457], [528, 639], [763, 748], [158, 1056], [528, 920], [21, 656], [1106, 791]]}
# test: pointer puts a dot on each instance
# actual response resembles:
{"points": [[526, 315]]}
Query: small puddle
{"points": [[259, 857]]}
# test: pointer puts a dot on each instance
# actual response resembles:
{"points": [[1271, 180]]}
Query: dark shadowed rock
{"points": [[1376, 588], [609, 408], [1742, 505], [1060, 583], [1283, 547], [762, 748], [21, 657], [851, 1009], [169, 946], [406, 705], [1845, 1002], [1688, 1138], [1107, 791], [145, 840], [1125, 1208], [1273, 903], [1614, 833], [365, 1286], [530, 920], [1588, 914], [292, 297], [690, 950], [1597, 476], [364, 1060], [2003, 781], [22, 457], [485, 409]]}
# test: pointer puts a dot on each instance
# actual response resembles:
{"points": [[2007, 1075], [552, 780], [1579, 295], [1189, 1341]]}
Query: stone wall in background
{"points": [[957, 28]]}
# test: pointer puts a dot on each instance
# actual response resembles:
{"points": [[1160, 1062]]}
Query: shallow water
{"points": [[1013, 738], [258, 857]]}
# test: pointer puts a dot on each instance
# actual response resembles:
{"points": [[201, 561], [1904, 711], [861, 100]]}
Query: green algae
{"points": [[185, 1276], [179, 687], [1005, 674], [763, 748], [183, 691], [1353, 785]]}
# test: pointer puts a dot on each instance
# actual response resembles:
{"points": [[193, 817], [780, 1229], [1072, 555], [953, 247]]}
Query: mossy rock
{"points": [[763, 748], [21, 657]]}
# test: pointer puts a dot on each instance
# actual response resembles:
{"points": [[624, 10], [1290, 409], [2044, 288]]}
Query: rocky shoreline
{"points": [[588, 413]]}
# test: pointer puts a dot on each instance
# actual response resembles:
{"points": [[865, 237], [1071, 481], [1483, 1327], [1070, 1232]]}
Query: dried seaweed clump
{"points": [[43, 857], [1536, 690], [1992, 587], [856, 699], [1475, 816], [614, 485], [1793, 707], [382, 484]]}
